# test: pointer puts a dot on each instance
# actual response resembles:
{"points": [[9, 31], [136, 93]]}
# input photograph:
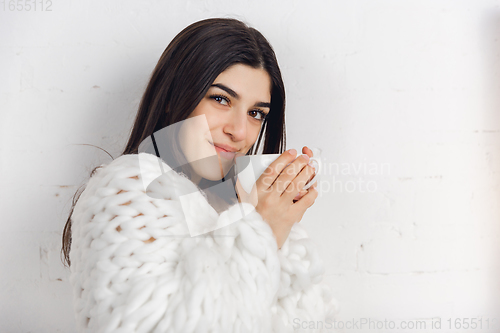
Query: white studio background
{"points": [[402, 97]]}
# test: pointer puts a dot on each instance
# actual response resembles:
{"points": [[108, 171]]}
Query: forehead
{"points": [[248, 82]]}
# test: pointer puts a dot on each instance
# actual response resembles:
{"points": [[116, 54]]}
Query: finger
{"points": [[272, 172], [306, 150], [309, 152], [315, 185], [313, 174], [300, 194], [298, 183], [288, 175], [306, 201]]}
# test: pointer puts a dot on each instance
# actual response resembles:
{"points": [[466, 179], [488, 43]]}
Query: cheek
{"points": [[214, 121], [206, 109], [203, 107], [253, 135], [193, 136]]}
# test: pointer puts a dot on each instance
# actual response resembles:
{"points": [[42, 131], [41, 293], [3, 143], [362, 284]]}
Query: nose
{"points": [[236, 125]]}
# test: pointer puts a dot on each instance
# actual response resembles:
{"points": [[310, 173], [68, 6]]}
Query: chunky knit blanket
{"points": [[136, 268]]}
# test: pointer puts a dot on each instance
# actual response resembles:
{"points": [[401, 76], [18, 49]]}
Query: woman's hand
{"points": [[276, 190], [305, 150]]}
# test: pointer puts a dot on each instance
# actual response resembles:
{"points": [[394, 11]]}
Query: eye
{"points": [[220, 99], [261, 115], [223, 100]]}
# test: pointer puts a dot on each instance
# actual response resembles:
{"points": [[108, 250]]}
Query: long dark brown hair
{"points": [[186, 69]]}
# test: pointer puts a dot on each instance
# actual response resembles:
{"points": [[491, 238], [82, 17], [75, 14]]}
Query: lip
{"points": [[226, 152], [225, 147]]}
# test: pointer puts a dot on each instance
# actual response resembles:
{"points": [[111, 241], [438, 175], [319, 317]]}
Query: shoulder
{"points": [[130, 172], [115, 206], [132, 165], [123, 184]]}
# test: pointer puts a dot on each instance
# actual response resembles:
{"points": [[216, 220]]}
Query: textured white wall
{"points": [[402, 96]]}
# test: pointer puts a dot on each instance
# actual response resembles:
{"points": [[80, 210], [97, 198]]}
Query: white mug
{"points": [[250, 167]]}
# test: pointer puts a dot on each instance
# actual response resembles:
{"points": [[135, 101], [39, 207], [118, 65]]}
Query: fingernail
{"points": [[297, 196], [292, 151], [310, 164], [306, 156]]}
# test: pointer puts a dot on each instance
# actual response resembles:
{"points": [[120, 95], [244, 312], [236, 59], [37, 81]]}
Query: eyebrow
{"points": [[235, 95]]}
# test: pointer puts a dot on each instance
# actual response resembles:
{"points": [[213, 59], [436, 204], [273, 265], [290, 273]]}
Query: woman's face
{"points": [[232, 114]]}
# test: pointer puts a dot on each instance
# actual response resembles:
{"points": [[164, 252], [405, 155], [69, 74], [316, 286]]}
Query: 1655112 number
{"points": [[473, 323], [26, 5]]}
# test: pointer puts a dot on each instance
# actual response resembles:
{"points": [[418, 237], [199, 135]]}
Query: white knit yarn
{"points": [[135, 268]]}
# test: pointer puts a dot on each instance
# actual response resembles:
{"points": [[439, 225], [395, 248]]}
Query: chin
{"points": [[210, 173], [208, 164], [213, 170]]}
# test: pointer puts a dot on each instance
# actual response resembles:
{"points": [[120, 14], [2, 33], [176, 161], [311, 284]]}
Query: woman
{"points": [[134, 265]]}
